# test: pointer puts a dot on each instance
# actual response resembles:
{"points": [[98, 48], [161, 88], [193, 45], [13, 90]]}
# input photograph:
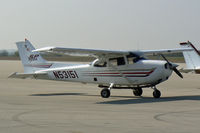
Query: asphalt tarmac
{"points": [[31, 106]]}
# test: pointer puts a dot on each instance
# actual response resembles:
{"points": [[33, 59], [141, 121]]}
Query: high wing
{"points": [[105, 53], [82, 52], [161, 51]]}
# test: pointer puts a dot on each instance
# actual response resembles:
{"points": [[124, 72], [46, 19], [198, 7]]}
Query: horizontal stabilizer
{"points": [[186, 70], [197, 71], [27, 75]]}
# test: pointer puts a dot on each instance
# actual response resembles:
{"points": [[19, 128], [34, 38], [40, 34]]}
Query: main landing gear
{"points": [[105, 93], [137, 91]]}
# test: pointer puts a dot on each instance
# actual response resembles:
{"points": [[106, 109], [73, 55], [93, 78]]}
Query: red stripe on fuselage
{"points": [[127, 74], [103, 73]]}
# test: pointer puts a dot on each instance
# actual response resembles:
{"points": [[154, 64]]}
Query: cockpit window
{"points": [[102, 64], [117, 61]]}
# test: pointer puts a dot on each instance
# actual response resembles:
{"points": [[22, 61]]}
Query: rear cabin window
{"points": [[117, 61]]}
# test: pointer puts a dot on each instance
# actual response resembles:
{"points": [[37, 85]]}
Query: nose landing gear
{"points": [[156, 93]]}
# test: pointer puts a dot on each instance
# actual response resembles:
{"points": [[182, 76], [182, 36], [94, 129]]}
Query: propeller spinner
{"points": [[172, 66]]}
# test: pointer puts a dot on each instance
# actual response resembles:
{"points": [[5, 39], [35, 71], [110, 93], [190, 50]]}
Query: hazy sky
{"points": [[102, 24]]}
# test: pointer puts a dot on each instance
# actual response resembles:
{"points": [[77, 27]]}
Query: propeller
{"points": [[172, 67]]}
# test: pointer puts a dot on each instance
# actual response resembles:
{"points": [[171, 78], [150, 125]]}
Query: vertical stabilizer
{"points": [[192, 58], [31, 61]]}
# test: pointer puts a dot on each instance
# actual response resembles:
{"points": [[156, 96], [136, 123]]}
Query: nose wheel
{"points": [[156, 93]]}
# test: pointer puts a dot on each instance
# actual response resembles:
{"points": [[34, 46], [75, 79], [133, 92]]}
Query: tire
{"points": [[156, 94], [138, 91], [105, 93]]}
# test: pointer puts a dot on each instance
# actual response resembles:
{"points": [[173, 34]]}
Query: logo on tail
{"points": [[27, 49], [33, 57]]}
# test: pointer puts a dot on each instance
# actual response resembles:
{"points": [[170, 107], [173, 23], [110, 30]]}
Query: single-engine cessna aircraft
{"points": [[192, 58], [110, 69]]}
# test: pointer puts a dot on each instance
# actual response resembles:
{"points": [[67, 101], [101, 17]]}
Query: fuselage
{"points": [[141, 73]]}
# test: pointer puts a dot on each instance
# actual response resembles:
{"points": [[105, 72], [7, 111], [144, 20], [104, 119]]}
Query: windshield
{"points": [[133, 58]]}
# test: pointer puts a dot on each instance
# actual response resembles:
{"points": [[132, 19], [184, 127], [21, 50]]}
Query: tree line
{"points": [[7, 53]]}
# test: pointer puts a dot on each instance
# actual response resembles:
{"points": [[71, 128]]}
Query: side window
{"points": [[130, 60], [120, 61], [117, 61]]}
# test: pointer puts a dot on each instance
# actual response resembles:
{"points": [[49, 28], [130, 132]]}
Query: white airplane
{"points": [[110, 70], [192, 58]]}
